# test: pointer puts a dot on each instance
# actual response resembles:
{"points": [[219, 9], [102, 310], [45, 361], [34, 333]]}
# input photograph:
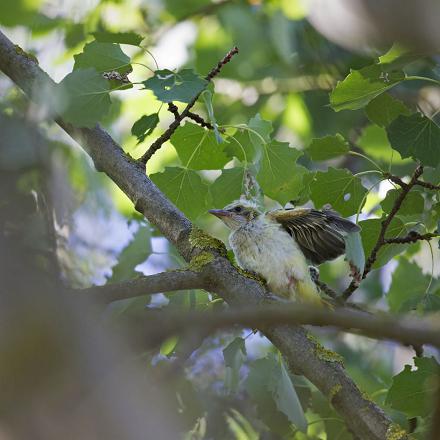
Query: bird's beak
{"points": [[220, 213]]}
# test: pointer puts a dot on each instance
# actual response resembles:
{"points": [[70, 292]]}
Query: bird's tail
{"points": [[308, 292]]}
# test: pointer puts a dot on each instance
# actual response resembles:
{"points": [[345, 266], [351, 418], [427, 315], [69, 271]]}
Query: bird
{"points": [[279, 244]]}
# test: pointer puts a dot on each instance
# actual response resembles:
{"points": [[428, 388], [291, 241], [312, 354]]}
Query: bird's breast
{"points": [[270, 251]]}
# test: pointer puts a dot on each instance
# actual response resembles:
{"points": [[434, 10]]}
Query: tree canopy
{"points": [[112, 262]]}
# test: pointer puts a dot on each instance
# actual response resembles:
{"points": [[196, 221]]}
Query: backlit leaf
{"points": [[339, 188], [412, 391], [83, 97], [144, 126], [136, 252], [181, 86], [327, 147], [361, 86], [118, 37], [197, 148], [279, 176], [227, 187], [234, 355], [383, 109], [416, 136], [184, 188], [104, 57]]}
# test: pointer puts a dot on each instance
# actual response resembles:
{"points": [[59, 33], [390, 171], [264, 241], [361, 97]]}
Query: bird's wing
{"points": [[319, 234]]}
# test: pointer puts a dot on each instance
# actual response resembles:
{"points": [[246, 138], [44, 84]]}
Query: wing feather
{"points": [[319, 234]]}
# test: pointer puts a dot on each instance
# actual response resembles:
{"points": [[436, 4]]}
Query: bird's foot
{"points": [[314, 273]]}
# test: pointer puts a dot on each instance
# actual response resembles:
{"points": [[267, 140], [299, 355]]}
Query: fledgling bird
{"points": [[278, 244]]}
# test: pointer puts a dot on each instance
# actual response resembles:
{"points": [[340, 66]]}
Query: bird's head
{"points": [[237, 213]]}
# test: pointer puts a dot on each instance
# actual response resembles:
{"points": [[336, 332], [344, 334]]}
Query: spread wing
{"points": [[319, 234]]}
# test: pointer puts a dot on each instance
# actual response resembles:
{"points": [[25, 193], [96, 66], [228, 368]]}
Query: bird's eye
{"points": [[238, 209]]}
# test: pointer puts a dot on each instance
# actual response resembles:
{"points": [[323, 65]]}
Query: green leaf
{"points": [[370, 232], [361, 86], [168, 346], [270, 387], [83, 97], [408, 286], [198, 149], [397, 57], [207, 97], [374, 142], [279, 176], [354, 251], [228, 186], [136, 252], [234, 355], [413, 203], [416, 136], [412, 391], [144, 126], [242, 148], [327, 147], [104, 57], [286, 399], [259, 133], [339, 188], [383, 109], [118, 37], [184, 188], [182, 86]]}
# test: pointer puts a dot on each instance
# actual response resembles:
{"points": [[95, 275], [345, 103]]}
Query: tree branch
{"points": [[172, 108], [412, 237], [363, 417], [161, 282], [178, 119], [406, 188], [407, 330]]}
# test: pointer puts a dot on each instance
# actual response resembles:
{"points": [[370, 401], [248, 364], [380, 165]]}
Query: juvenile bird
{"points": [[277, 244]]}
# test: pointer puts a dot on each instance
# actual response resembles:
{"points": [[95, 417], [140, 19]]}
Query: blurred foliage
{"points": [[308, 121]]}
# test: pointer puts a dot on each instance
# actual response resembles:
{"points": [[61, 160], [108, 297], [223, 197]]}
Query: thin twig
{"points": [[157, 144], [194, 116], [406, 188], [418, 182], [412, 237]]}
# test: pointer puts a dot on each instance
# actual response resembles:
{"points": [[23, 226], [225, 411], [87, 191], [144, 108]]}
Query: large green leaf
{"points": [[383, 109], [83, 97], [136, 252], [279, 176], [361, 86], [241, 146], [181, 86], [270, 387], [354, 251], [227, 187], [416, 136], [413, 203], [118, 37], [184, 188], [370, 233], [339, 188], [198, 149], [104, 57], [234, 354], [408, 286], [327, 147], [412, 391]]}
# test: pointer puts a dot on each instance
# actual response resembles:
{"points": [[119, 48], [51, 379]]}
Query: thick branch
{"points": [[405, 329], [161, 282], [363, 417], [178, 119], [406, 188]]}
